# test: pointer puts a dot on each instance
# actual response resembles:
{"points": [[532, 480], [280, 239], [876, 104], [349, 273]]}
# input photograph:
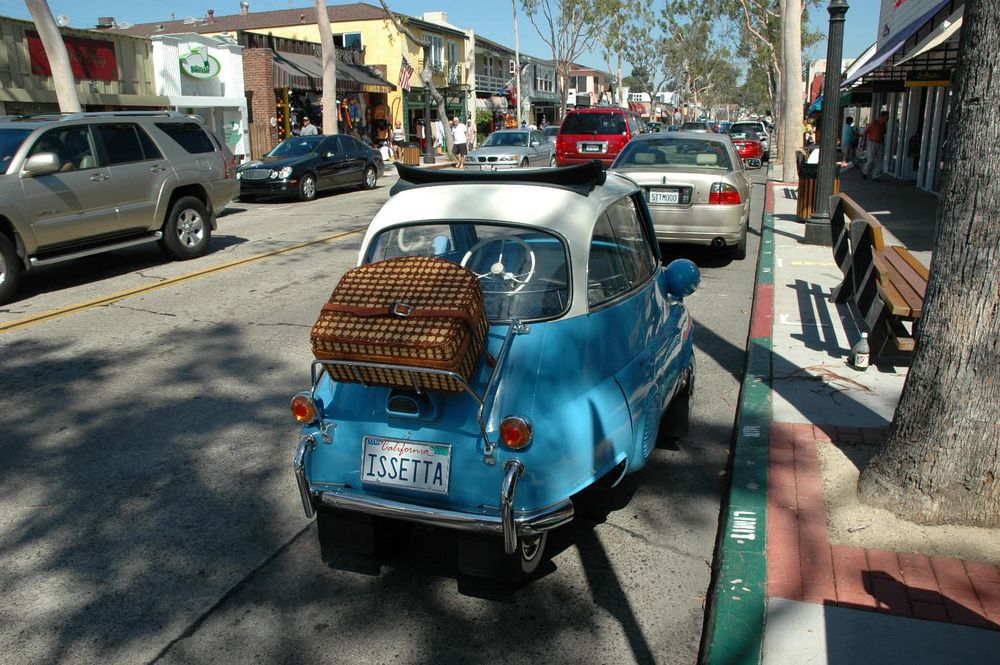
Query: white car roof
{"points": [[562, 210]]}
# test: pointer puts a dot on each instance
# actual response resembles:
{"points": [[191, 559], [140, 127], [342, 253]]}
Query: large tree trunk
{"points": [[791, 48], [55, 51], [941, 462], [330, 111]]}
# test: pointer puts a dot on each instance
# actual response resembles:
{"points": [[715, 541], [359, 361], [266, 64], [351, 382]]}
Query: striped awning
{"points": [[305, 72]]}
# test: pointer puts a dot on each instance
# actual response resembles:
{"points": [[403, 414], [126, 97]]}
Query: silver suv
{"points": [[83, 183]]}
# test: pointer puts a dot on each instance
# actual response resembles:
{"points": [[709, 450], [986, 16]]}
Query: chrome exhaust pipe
{"points": [[718, 242]]}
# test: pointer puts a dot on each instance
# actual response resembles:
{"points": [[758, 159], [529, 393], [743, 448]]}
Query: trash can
{"points": [[805, 196], [411, 155]]}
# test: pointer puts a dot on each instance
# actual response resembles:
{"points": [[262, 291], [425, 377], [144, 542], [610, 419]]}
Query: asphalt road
{"points": [[147, 506]]}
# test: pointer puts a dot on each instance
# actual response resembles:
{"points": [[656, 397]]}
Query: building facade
{"points": [[203, 75], [908, 74], [587, 87], [113, 71]]}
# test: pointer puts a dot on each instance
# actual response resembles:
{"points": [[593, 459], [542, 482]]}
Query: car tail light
{"points": [[515, 432], [304, 409], [724, 194], [230, 166]]}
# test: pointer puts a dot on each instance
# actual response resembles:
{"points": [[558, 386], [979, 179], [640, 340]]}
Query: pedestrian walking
{"points": [[461, 135], [874, 140], [398, 139], [308, 129], [847, 138]]}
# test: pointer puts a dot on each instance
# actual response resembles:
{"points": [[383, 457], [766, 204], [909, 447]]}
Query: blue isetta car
{"points": [[593, 361]]}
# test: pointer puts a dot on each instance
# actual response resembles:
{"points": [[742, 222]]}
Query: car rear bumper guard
{"points": [[508, 522]]}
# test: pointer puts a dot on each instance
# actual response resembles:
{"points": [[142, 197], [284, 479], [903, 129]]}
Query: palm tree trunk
{"points": [[791, 47], [330, 110], [55, 51]]}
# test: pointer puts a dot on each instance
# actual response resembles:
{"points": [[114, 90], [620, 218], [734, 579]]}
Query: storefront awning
{"points": [[894, 43], [948, 29], [305, 72]]}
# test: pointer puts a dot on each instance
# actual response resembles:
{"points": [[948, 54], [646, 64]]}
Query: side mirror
{"points": [[41, 163], [440, 244], [683, 277]]}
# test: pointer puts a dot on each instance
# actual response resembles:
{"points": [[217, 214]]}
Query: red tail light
{"points": [[515, 432], [230, 167], [724, 194]]}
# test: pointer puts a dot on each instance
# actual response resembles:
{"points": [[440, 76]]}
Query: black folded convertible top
{"points": [[581, 178]]}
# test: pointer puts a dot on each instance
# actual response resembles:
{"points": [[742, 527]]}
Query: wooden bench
{"points": [[885, 284]]}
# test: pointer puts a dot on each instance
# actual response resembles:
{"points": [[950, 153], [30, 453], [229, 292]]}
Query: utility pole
{"points": [[517, 63], [55, 51]]}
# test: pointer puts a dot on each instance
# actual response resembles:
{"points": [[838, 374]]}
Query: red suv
{"points": [[597, 133]]}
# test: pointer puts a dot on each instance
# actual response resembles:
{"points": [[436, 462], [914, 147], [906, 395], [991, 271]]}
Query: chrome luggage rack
{"points": [[516, 328]]}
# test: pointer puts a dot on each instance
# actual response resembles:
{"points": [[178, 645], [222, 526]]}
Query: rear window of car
{"points": [[524, 272], [593, 123], [744, 127], [694, 125], [669, 151], [188, 135]]}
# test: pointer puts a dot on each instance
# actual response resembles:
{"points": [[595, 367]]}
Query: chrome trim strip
{"points": [[306, 443], [36, 262], [512, 471], [526, 524]]}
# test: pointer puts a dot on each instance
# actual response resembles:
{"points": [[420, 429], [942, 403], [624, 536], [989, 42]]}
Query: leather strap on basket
{"points": [[427, 312]]}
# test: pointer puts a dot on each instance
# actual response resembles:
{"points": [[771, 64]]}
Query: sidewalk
{"points": [[844, 583]]}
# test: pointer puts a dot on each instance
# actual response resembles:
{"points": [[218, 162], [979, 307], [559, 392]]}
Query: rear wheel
{"points": [[484, 556], [10, 270], [738, 252], [524, 163], [552, 161], [188, 229]]}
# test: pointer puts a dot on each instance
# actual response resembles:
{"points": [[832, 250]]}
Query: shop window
{"points": [[187, 135]]}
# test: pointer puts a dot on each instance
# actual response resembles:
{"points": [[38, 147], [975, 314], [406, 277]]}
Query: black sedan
{"points": [[303, 165]]}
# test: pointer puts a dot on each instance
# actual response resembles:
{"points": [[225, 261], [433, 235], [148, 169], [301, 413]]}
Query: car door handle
{"points": [[158, 168], [99, 177]]}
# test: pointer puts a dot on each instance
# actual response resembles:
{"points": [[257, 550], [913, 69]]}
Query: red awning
{"points": [[637, 107]]}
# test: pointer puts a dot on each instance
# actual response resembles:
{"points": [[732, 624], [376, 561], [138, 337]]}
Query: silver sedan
{"points": [[696, 186], [512, 149]]}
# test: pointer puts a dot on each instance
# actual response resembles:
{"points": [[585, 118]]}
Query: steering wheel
{"points": [[497, 269]]}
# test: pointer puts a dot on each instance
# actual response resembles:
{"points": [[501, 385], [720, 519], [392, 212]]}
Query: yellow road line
{"points": [[27, 321]]}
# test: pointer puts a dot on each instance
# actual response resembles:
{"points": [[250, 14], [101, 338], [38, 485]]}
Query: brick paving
{"points": [[804, 566]]}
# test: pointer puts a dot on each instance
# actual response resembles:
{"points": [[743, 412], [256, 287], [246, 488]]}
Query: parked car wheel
{"points": [[676, 422], [307, 187], [370, 178], [738, 252], [484, 556], [188, 229], [523, 164], [10, 270], [552, 161]]}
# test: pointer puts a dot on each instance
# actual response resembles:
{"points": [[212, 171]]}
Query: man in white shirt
{"points": [[308, 129], [461, 135]]}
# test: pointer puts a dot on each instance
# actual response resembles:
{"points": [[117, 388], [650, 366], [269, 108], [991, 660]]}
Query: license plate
{"points": [[411, 465], [664, 196], [591, 148]]}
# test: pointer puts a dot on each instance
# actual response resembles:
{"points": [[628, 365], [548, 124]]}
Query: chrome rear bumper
{"points": [[507, 522]]}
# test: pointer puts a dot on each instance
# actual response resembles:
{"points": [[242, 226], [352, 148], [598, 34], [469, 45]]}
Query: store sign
{"points": [[198, 64], [90, 59], [928, 78]]}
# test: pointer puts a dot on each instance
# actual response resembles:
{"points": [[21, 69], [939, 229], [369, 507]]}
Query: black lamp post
{"points": [[817, 231]]}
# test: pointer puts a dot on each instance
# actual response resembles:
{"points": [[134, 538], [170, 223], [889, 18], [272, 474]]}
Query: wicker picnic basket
{"points": [[418, 311]]}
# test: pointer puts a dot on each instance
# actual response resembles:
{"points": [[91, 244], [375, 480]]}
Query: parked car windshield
{"points": [[524, 272], [593, 123], [551, 130], [296, 147], [517, 139], [671, 151], [10, 141]]}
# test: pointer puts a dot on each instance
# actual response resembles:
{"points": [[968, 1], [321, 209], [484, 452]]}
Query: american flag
{"points": [[405, 72]]}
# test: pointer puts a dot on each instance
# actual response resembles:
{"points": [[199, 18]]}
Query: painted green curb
{"points": [[736, 620]]}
